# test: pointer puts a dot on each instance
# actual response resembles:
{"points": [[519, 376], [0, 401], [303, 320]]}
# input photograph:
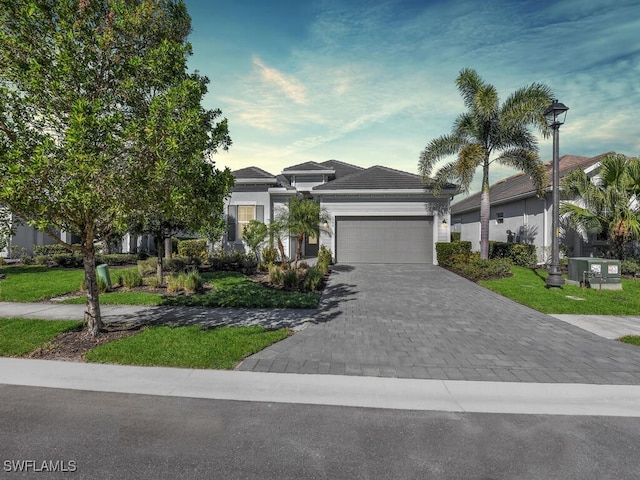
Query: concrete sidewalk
{"points": [[370, 392]]}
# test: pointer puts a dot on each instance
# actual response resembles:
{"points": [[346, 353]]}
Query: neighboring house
{"points": [[24, 238], [519, 215], [376, 215]]}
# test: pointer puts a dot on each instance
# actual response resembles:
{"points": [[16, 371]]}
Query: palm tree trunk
{"points": [[485, 212]]}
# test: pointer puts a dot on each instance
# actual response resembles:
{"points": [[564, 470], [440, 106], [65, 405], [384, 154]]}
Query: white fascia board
{"points": [[254, 181], [308, 172], [281, 191], [356, 192]]}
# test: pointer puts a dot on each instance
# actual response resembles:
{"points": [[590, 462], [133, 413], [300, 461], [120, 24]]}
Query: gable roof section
{"points": [[252, 173], [375, 178], [342, 169], [308, 167], [520, 185]]}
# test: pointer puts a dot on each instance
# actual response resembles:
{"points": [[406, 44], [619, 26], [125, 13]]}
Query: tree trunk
{"points": [[281, 249], [92, 315], [485, 212], [167, 247], [159, 247], [300, 239]]}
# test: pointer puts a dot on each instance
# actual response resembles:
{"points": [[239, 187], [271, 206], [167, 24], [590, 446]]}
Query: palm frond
{"points": [[526, 105], [436, 150], [526, 160], [468, 83]]}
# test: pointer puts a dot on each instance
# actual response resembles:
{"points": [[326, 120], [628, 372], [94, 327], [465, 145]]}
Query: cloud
{"points": [[291, 87]]}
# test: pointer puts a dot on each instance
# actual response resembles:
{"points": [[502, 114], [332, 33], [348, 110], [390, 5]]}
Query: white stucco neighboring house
{"points": [[376, 214], [519, 215]]}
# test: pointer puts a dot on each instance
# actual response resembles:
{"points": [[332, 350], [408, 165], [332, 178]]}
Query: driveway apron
{"points": [[422, 321]]}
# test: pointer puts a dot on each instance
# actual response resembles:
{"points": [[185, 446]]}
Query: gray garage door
{"points": [[384, 239]]}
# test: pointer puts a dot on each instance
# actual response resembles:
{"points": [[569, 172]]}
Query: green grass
{"points": [[527, 286], [31, 283], [631, 339], [19, 336], [187, 347], [231, 289]]}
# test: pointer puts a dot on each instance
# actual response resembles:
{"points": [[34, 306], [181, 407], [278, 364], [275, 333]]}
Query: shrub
{"points": [[313, 280], [323, 267], [131, 278], [455, 236], [290, 279], [474, 268], [629, 267], [27, 259], [175, 283], [175, 264], [325, 255], [303, 265], [68, 260], [43, 259], [102, 285], [193, 248], [269, 255], [452, 253], [152, 282], [117, 259], [276, 275], [148, 266], [193, 281], [50, 250], [521, 254]]}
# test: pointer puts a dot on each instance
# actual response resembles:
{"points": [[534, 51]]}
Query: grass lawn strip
{"points": [[631, 339], [32, 283], [527, 286], [19, 336], [187, 347]]}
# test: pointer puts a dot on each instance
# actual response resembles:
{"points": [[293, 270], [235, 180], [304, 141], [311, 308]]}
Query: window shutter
{"points": [[232, 213], [260, 213]]}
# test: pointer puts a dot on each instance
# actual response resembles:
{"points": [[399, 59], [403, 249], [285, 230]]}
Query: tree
{"points": [[303, 217], [277, 228], [95, 104], [489, 132], [254, 234], [608, 204]]}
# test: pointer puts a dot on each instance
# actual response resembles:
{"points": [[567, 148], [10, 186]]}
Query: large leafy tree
{"points": [[95, 105], [606, 204], [489, 132]]}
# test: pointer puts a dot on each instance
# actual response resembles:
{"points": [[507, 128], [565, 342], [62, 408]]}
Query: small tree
{"points": [[254, 235], [277, 228], [303, 217]]}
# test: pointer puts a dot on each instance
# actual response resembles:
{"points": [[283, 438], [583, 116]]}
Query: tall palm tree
{"points": [[303, 217], [607, 204], [489, 132]]}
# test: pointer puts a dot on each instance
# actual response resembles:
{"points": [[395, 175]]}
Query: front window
{"points": [[500, 217], [246, 213]]}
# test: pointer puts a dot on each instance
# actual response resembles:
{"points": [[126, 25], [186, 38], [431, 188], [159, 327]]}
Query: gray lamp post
{"points": [[555, 115]]}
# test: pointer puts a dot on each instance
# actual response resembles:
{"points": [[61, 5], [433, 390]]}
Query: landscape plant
{"points": [[488, 132]]}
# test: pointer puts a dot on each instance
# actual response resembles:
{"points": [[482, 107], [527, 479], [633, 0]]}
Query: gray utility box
{"points": [[595, 272]]}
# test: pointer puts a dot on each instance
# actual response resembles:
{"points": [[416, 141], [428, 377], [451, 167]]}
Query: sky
{"points": [[371, 82]]}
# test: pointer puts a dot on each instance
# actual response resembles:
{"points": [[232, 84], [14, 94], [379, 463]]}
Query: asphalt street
{"points": [[106, 435]]}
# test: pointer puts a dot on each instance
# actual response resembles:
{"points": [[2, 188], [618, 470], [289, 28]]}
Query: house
{"points": [[519, 215], [375, 215], [23, 237]]}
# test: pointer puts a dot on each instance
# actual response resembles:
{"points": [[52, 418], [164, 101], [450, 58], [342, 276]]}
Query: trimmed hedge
{"points": [[521, 254], [451, 253]]}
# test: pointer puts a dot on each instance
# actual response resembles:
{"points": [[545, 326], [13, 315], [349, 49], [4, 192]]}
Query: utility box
{"points": [[102, 272], [593, 272]]}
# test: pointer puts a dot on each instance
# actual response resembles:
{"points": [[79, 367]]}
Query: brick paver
{"points": [[417, 321]]}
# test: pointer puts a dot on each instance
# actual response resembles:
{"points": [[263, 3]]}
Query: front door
{"points": [[310, 246]]}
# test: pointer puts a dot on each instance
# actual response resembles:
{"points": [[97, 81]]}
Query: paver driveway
{"points": [[417, 321]]}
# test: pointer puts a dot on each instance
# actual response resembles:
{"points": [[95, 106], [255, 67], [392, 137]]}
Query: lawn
{"points": [[19, 336], [527, 286], [31, 283], [230, 289], [187, 347]]}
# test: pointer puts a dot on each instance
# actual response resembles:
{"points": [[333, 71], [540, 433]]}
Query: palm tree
{"points": [[607, 204], [303, 217], [488, 130]]}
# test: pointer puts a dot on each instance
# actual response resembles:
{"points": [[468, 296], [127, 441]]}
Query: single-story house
{"points": [[375, 215], [519, 215]]}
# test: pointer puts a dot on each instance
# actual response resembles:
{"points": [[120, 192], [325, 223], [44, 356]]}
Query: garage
{"points": [[384, 239]]}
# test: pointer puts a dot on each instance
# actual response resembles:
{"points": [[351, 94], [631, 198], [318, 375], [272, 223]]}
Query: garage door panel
{"points": [[384, 239]]}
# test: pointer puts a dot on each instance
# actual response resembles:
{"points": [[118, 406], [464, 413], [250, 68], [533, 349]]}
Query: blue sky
{"points": [[371, 82]]}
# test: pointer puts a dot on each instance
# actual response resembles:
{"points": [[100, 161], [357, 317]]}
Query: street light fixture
{"points": [[555, 115]]}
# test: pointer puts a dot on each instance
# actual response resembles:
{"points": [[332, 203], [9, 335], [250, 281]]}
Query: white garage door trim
{"points": [[369, 239]]}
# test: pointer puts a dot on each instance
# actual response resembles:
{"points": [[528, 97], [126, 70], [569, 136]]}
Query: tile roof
{"points": [[520, 185], [251, 172], [375, 178], [341, 168], [307, 166]]}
